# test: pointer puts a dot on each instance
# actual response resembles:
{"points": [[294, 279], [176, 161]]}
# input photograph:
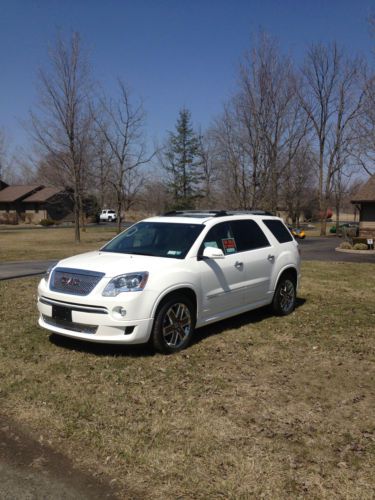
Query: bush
{"points": [[360, 246], [345, 245], [46, 222]]}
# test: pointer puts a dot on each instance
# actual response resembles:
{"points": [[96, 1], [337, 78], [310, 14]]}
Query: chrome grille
{"points": [[74, 281]]}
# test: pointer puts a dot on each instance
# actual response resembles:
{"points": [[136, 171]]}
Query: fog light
{"points": [[119, 312]]}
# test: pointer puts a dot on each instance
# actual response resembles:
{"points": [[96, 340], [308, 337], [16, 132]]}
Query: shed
{"points": [[364, 199]]}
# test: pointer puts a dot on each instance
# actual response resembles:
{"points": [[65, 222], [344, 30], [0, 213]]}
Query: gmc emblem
{"points": [[70, 281]]}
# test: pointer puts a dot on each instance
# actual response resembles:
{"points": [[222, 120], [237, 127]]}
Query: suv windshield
{"points": [[159, 239]]}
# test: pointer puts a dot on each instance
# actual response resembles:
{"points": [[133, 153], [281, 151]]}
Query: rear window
{"points": [[278, 229]]}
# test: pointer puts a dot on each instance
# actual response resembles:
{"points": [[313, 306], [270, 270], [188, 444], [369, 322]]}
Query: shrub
{"points": [[345, 245], [360, 246], [46, 222]]}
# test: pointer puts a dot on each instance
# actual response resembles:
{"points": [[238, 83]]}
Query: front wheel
{"points": [[174, 325], [284, 300]]}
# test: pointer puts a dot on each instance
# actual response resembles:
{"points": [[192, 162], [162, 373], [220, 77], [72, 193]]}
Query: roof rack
{"points": [[214, 213]]}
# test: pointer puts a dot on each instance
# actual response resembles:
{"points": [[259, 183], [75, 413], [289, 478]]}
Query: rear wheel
{"points": [[174, 325], [284, 300]]}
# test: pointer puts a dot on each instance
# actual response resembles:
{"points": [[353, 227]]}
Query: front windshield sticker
{"points": [[229, 245], [174, 252]]}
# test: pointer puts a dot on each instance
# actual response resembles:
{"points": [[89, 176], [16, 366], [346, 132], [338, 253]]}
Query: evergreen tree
{"points": [[182, 163]]}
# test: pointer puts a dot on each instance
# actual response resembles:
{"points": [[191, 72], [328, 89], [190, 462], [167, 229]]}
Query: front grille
{"points": [[68, 325], [74, 281]]}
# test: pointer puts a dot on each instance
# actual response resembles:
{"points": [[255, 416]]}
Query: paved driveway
{"points": [[21, 269], [324, 249]]}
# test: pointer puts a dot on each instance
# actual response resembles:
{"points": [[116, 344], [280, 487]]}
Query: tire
{"points": [[284, 299], [173, 325]]}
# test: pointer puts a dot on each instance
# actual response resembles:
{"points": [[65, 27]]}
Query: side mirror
{"points": [[213, 253]]}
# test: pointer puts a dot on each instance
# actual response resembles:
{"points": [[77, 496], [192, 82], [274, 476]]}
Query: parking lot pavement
{"points": [[22, 269], [323, 248]]}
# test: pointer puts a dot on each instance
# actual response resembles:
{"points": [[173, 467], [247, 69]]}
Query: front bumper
{"points": [[91, 323]]}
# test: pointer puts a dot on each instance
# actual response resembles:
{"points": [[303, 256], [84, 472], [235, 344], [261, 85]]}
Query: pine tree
{"points": [[182, 163]]}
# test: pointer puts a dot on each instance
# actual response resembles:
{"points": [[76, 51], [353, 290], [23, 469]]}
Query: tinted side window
{"points": [[248, 235], [221, 237], [278, 229]]}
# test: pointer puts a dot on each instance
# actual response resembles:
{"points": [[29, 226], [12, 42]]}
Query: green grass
{"points": [[257, 407]]}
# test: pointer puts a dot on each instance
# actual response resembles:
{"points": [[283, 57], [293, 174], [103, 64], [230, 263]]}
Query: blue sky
{"points": [[172, 53]]}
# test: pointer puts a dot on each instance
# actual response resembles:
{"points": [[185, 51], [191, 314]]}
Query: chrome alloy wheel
{"points": [[177, 324], [287, 296]]}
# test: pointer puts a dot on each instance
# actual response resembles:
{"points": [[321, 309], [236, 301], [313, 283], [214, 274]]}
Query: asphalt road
{"points": [[9, 270], [324, 249]]}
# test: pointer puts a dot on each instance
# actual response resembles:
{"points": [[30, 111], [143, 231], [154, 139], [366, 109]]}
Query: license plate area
{"points": [[62, 313]]}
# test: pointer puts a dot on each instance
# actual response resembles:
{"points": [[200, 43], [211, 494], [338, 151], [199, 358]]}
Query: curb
{"points": [[363, 252]]}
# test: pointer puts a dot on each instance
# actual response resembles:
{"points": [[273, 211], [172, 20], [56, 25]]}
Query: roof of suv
{"points": [[202, 216]]}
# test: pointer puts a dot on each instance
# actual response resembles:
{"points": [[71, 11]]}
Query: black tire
{"points": [[173, 325], [284, 299]]}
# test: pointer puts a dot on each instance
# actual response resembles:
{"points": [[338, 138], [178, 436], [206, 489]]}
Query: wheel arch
{"points": [[289, 271], [186, 291]]}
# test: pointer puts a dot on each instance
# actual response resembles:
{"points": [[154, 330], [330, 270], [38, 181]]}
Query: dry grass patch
{"points": [[257, 407], [50, 243]]}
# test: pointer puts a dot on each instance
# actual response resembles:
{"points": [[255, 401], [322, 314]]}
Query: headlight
{"points": [[132, 282]]}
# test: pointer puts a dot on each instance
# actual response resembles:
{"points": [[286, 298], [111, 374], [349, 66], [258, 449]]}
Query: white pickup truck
{"points": [[107, 216]]}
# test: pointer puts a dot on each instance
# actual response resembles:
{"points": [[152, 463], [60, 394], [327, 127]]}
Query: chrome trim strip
{"points": [[73, 306]]}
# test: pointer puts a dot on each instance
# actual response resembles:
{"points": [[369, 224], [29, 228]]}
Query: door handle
{"points": [[238, 265], [271, 258]]}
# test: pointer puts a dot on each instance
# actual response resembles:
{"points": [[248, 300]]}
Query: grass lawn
{"points": [[50, 243], [257, 407]]}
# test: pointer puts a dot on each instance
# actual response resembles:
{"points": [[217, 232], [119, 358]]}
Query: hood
{"points": [[114, 264]]}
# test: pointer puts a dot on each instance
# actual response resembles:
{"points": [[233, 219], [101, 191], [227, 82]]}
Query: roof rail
{"points": [[215, 213]]}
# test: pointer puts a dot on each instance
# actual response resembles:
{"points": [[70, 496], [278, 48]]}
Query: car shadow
{"points": [[236, 322], [145, 350]]}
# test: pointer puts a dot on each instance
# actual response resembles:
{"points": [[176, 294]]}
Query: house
{"points": [[364, 199], [47, 203], [11, 197], [32, 203]]}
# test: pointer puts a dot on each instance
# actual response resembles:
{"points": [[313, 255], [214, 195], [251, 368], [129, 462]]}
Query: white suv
{"points": [[165, 276], [107, 216]]}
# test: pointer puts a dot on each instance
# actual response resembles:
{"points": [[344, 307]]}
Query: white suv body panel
{"points": [[237, 283]]}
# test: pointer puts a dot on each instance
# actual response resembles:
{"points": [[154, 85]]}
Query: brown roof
{"points": [[13, 193], [366, 192], [42, 195]]}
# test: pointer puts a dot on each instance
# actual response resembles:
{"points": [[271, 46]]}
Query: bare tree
{"points": [[2, 155], [209, 161], [364, 150], [62, 124], [121, 124], [332, 101], [102, 166], [297, 181], [262, 127], [234, 173]]}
